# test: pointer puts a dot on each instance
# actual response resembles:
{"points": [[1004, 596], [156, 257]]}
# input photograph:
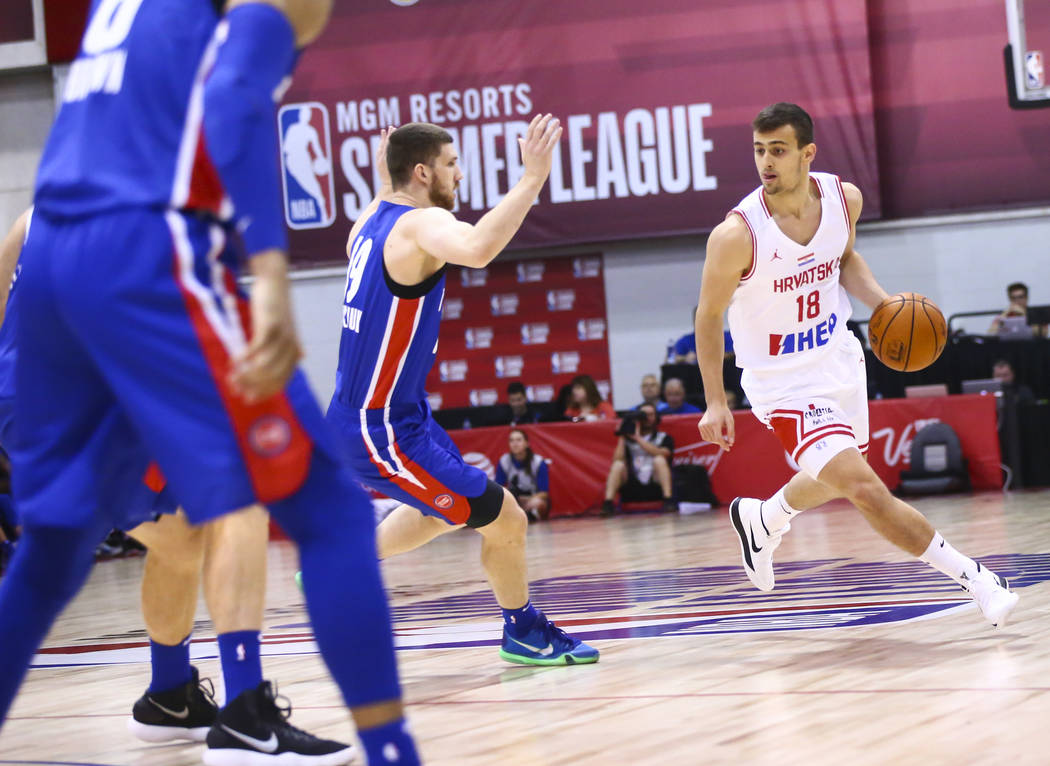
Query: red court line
{"points": [[281, 638]]}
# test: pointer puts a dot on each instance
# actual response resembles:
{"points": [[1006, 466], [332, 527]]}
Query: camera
{"points": [[627, 425]]}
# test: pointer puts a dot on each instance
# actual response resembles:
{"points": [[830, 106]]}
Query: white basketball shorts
{"points": [[816, 410]]}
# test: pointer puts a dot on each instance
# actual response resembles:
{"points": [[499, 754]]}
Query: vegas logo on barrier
{"points": [[306, 165]]}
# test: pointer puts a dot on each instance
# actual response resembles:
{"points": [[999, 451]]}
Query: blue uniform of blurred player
{"points": [[143, 349]]}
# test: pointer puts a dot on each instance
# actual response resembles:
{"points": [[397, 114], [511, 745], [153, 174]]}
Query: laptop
{"points": [[984, 386], [931, 389], [1015, 328]]}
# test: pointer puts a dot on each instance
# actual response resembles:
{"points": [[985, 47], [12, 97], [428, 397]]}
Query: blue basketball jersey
{"points": [[140, 62], [8, 331], [390, 331]]}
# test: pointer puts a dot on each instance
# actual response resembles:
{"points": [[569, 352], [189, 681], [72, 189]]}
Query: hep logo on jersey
{"points": [[306, 165], [814, 337]]}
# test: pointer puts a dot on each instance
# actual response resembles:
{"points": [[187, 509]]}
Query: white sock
{"points": [[943, 557], [776, 513]]}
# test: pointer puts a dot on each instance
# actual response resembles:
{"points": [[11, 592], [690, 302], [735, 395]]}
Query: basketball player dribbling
{"points": [[398, 252], [141, 349], [782, 262]]}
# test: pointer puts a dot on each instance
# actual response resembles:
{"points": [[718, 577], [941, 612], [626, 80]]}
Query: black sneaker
{"points": [[608, 509], [253, 731], [670, 505], [186, 712]]}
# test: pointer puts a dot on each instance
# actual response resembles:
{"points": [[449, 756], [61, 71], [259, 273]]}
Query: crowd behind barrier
{"points": [[580, 453]]}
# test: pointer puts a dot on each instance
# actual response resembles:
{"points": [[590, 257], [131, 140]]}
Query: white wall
{"points": [[963, 263], [26, 111]]}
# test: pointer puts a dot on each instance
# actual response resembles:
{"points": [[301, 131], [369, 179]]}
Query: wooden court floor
{"points": [[860, 656]]}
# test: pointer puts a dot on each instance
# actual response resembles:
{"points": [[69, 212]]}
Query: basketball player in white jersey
{"points": [[781, 263]]}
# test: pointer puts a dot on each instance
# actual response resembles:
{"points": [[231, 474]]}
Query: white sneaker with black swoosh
{"points": [[756, 542], [993, 596], [254, 731]]}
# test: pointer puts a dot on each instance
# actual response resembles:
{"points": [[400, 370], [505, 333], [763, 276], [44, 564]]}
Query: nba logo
{"points": [[1033, 70], [306, 165]]}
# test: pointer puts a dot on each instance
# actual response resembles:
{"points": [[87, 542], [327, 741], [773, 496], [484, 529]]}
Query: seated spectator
{"points": [[525, 474], [641, 465], [684, 351], [651, 393], [674, 395], [1003, 371], [521, 410], [1017, 293], [586, 402]]}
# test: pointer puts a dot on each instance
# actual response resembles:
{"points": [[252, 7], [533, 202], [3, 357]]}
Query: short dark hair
{"points": [[1017, 286], [517, 387], [780, 114], [413, 144]]}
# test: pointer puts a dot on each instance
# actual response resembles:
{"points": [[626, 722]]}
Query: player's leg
{"points": [[432, 476], [176, 705], [849, 474], [815, 413], [46, 571], [220, 453], [235, 592], [331, 520], [66, 423], [529, 638], [405, 529], [616, 478]]}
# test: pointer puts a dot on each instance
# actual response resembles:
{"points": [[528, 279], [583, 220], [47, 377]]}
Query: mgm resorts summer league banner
{"points": [[656, 99]]}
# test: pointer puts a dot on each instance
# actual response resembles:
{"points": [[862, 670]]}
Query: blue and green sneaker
{"points": [[546, 644]]}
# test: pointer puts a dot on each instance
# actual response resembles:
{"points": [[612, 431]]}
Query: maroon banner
{"points": [[580, 453], [937, 70], [656, 99], [541, 321], [16, 21]]}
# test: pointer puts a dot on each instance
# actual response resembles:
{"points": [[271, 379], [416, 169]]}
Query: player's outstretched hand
{"points": [[270, 358], [718, 427], [537, 146], [382, 171]]}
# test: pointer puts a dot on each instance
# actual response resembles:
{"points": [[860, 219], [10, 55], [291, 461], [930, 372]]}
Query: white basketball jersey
{"points": [[789, 309]]}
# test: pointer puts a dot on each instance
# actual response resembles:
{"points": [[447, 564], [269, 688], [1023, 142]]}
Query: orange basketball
{"points": [[907, 332]]}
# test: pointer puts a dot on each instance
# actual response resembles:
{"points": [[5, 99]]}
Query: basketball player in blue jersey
{"points": [[781, 263], [142, 349], [177, 705], [398, 252]]}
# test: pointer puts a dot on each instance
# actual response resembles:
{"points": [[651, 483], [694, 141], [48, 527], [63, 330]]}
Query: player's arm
{"points": [[10, 249], [729, 252], [440, 235], [386, 187], [257, 50], [854, 273]]}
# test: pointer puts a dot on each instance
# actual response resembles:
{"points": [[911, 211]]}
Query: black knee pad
{"points": [[485, 508]]}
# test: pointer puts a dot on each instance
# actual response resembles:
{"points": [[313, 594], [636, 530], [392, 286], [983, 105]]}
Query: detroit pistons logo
{"points": [[444, 502], [306, 165], [270, 435]]}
